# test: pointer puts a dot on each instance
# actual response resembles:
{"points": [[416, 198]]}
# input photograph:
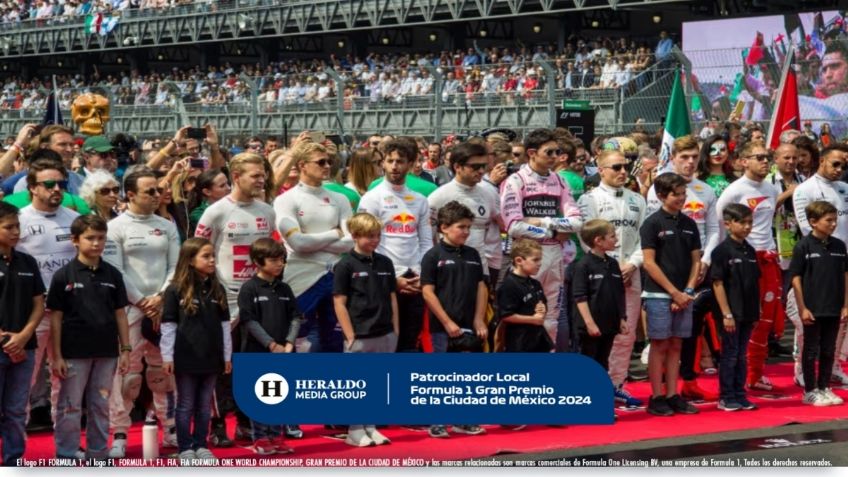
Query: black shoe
{"points": [[218, 437], [636, 376], [778, 350], [658, 406], [681, 406]]}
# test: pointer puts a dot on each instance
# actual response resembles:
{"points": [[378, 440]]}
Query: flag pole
{"points": [[775, 128], [55, 102]]}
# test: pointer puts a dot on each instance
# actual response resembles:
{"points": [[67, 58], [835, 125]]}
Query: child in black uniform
{"points": [[597, 291], [522, 303], [271, 320]]}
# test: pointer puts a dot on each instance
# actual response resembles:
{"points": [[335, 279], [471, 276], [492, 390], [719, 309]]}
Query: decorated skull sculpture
{"points": [[91, 113]]}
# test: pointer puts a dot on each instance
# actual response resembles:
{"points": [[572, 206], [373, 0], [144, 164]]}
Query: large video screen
{"points": [[736, 66]]}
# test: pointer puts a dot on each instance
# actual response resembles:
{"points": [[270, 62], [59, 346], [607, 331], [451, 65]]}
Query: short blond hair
{"points": [[363, 224], [303, 150], [605, 154], [523, 248], [684, 143], [240, 160]]}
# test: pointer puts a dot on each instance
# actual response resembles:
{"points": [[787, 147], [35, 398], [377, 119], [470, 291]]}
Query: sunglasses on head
{"points": [[110, 190], [323, 162], [477, 167], [50, 184]]}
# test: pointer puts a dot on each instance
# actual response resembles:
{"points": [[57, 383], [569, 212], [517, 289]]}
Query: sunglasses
{"points": [[254, 146], [110, 190], [837, 165], [553, 152], [619, 167], [516, 154], [477, 167], [759, 157], [154, 191], [323, 162], [52, 184]]}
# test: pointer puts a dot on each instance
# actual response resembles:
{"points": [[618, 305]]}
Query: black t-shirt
{"points": [[821, 264], [735, 264], [272, 305], [598, 282], [455, 272], [368, 284], [20, 281], [519, 296], [88, 299], [199, 343], [673, 238]]}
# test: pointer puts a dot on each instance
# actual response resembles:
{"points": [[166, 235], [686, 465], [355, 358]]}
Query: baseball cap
{"points": [[97, 144]]}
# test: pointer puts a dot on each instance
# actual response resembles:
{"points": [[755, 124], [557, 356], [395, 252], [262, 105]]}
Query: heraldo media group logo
{"points": [[271, 388]]}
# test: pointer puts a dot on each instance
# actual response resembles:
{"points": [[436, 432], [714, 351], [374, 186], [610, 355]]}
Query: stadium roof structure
{"points": [[268, 18]]}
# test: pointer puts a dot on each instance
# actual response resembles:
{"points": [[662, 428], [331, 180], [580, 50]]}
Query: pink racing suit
{"points": [[527, 194]]}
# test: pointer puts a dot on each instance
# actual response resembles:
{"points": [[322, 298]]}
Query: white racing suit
{"points": [[527, 194]]}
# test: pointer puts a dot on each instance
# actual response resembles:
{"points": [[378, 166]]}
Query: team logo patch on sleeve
{"points": [[359, 274]]}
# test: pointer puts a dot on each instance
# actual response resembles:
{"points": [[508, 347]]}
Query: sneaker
{"points": [[710, 371], [206, 456], [832, 397], [658, 406], [514, 427], [625, 398], [169, 437], [838, 377], [263, 446], [472, 430], [691, 390], [729, 405], [377, 436], [187, 458], [119, 446], [799, 380], [746, 404], [439, 432], [762, 385], [645, 353], [681, 406], [815, 398], [218, 437], [358, 438], [243, 433], [293, 431], [280, 443]]}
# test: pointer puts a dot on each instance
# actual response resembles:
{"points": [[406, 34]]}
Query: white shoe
{"points": [[169, 439], [377, 437], [832, 397], [187, 458], [645, 353], [816, 398], [838, 377], [206, 456], [358, 438], [119, 449]]}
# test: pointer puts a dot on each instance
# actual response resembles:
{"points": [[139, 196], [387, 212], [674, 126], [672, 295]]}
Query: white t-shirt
{"points": [[761, 198], [818, 188]]}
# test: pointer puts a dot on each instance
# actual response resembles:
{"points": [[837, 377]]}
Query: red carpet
{"points": [[631, 426]]}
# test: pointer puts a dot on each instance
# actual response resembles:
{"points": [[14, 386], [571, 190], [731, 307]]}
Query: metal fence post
{"points": [[340, 87], [437, 97], [254, 103], [550, 74]]}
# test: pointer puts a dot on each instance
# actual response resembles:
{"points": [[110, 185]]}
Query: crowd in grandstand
{"points": [[51, 12], [508, 73]]}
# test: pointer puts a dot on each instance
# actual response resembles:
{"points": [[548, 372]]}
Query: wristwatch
{"points": [[728, 316], [126, 348]]}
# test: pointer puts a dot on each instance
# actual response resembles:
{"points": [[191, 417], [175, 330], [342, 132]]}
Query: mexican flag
{"points": [[676, 123], [97, 23]]}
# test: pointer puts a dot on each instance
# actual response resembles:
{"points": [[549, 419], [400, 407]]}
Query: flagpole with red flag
{"points": [[786, 114]]}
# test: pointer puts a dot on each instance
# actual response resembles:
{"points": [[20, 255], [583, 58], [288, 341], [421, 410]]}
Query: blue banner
{"points": [[419, 388]]}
